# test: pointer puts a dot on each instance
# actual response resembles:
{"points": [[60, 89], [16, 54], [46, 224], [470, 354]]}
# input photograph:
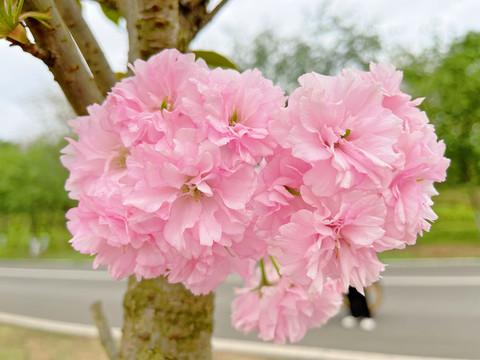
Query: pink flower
{"points": [[238, 108], [313, 247], [106, 236], [408, 196], [145, 108], [202, 274], [97, 163], [278, 194], [359, 132], [339, 124], [283, 309], [162, 188]]}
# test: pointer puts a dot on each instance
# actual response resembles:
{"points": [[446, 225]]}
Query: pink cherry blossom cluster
{"points": [[196, 174], [353, 176], [164, 170]]}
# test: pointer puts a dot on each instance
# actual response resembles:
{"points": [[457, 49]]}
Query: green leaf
{"points": [[214, 59], [112, 14], [18, 9], [8, 7]]}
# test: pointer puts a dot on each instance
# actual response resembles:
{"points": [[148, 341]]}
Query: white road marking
{"points": [[101, 275], [430, 281], [55, 274], [219, 344]]}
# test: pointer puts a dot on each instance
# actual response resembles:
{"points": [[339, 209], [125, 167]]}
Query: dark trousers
{"points": [[358, 303]]}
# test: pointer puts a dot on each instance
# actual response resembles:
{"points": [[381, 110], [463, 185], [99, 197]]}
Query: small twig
{"points": [[93, 55], [206, 19], [194, 17], [42, 54], [104, 332]]}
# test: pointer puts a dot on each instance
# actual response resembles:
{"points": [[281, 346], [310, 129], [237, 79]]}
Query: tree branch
{"points": [[68, 67], [93, 55], [209, 16], [194, 16], [104, 332], [35, 50]]}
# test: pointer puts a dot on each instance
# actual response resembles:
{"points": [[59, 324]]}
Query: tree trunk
{"points": [[161, 321], [165, 321]]}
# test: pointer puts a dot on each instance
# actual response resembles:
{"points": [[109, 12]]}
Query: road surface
{"points": [[429, 308]]}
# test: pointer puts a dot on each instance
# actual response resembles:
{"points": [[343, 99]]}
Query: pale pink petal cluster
{"points": [[276, 198], [372, 159], [163, 171], [283, 309], [237, 109]]}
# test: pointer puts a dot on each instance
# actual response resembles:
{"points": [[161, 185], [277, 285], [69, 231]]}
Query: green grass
{"points": [[18, 343], [456, 220]]}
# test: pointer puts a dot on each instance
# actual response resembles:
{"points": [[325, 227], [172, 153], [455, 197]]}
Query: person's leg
{"points": [[359, 311], [358, 303]]}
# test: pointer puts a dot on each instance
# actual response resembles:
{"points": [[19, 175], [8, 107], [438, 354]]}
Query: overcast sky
{"points": [[408, 22]]}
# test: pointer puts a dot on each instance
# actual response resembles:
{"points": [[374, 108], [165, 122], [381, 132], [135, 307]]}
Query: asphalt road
{"points": [[429, 308]]}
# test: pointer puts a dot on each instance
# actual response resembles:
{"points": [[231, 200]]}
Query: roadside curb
{"points": [[219, 344]]}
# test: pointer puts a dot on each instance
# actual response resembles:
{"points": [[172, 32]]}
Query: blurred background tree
{"points": [[33, 202], [326, 43], [450, 83]]}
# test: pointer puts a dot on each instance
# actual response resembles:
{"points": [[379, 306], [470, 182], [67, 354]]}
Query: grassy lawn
{"points": [[18, 343], [23, 344]]}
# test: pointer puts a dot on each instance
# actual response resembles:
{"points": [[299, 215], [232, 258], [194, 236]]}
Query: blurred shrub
{"points": [[33, 201], [450, 82]]}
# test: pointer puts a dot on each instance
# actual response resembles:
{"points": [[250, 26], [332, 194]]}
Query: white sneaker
{"points": [[348, 322], [368, 324]]}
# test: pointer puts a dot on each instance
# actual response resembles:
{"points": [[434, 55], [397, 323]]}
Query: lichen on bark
{"points": [[165, 321]]}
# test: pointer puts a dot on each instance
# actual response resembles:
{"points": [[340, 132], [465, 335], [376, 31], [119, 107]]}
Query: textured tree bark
{"points": [[165, 321], [152, 26], [86, 42], [67, 65]]}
